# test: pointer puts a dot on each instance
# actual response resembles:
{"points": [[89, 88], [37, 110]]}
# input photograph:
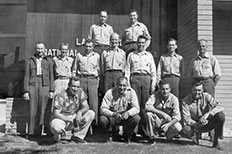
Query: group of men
{"points": [[128, 80]]}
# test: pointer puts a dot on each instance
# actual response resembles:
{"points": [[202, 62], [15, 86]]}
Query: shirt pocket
{"points": [[93, 65]]}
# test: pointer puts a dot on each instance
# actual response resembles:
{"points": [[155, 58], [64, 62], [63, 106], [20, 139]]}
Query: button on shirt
{"points": [[68, 105], [141, 62], [170, 65], [100, 34], [134, 31], [87, 64], [63, 66], [194, 109], [38, 66], [113, 60], [170, 106], [205, 67], [114, 102]]}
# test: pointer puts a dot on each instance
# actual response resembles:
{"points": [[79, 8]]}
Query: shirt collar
{"points": [[141, 53], [89, 54], [99, 24], [135, 24], [174, 54], [205, 56]]}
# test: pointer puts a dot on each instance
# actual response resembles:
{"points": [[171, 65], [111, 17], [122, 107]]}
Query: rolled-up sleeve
{"points": [[215, 106], [186, 114], [134, 104], [176, 110], [106, 102]]}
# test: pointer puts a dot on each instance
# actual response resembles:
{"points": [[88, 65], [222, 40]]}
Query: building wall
{"points": [[222, 36], [187, 37]]}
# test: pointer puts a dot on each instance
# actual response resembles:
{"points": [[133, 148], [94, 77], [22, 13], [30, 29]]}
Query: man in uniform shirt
{"points": [[38, 88], [141, 70], [100, 33], [171, 67], [120, 107], [71, 113], [134, 30], [202, 113], [113, 63], [87, 66], [163, 113], [62, 68], [205, 68]]}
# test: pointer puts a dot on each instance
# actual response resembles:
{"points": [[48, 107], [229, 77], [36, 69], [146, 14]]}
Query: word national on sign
{"points": [[57, 52]]}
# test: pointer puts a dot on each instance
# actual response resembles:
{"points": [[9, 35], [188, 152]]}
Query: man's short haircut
{"points": [[172, 39], [122, 78], [196, 83], [113, 35], [163, 82], [133, 10], [40, 43], [198, 42], [88, 41], [74, 78], [142, 37], [104, 11], [64, 44]]}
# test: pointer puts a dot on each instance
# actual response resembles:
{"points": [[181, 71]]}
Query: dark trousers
{"points": [[90, 87], [128, 125], [216, 122], [110, 79], [130, 47], [141, 84], [38, 103], [174, 84]]}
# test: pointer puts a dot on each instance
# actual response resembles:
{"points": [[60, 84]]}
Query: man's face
{"points": [[122, 85], [40, 49], [114, 41], [197, 91], [133, 17], [172, 46], [73, 87], [202, 47], [103, 17], [165, 90], [88, 47], [64, 50], [141, 44]]}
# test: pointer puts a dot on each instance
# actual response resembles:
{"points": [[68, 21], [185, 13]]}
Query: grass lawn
{"points": [[16, 145]]}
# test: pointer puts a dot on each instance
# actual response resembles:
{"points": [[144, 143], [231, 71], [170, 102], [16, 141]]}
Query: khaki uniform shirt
{"points": [[114, 102], [113, 60], [141, 62], [170, 65], [194, 109], [204, 67], [134, 31], [63, 66], [100, 34], [87, 64], [170, 106]]}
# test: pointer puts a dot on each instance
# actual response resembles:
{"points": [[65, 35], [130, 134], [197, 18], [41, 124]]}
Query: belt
{"points": [[139, 74], [170, 75], [113, 71], [102, 45], [87, 76], [131, 42], [63, 77], [202, 78], [39, 76]]}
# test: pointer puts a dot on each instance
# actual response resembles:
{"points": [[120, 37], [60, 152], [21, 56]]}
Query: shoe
{"points": [[151, 140], [77, 139], [109, 140], [177, 136], [161, 134], [195, 139], [216, 145]]}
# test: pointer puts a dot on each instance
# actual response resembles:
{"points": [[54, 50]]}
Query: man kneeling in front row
{"points": [[202, 113], [120, 108], [162, 113], [71, 115]]}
